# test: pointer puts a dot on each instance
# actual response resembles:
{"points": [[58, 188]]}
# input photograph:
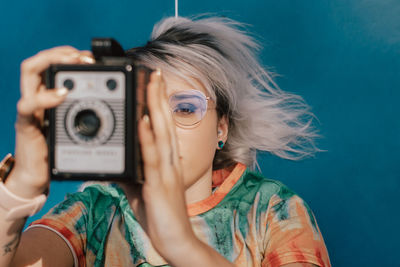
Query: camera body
{"points": [[92, 135]]}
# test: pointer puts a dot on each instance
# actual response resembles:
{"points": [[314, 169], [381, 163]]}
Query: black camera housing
{"points": [[94, 137]]}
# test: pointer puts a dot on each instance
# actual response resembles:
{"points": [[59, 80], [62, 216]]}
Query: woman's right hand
{"points": [[30, 175]]}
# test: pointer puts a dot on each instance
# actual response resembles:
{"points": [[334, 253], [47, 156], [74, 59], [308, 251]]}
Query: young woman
{"points": [[212, 106]]}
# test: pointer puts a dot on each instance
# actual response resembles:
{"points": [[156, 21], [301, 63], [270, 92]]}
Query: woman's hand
{"points": [[167, 222], [29, 176]]}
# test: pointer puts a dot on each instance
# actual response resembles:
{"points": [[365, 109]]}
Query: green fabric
{"points": [[241, 215]]}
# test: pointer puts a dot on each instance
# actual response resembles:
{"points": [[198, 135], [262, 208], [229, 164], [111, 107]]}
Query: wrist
{"points": [[17, 204], [17, 207], [176, 254], [19, 182], [201, 255], [180, 248], [22, 184]]}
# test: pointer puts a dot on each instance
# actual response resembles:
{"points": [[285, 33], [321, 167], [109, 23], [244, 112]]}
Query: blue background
{"points": [[342, 56]]}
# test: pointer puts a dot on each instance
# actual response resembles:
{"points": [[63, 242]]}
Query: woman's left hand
{"points": [[163, 192], [165, 220]]}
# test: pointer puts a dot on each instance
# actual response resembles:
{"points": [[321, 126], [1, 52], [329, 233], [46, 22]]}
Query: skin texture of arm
{"points": [[10, 237], [41, 248]]}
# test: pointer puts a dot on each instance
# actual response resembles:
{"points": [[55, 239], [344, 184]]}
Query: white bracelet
{"points": [[19, 207]]}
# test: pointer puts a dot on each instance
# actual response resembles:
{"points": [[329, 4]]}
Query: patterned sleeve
{"points": [[68, 220], [292, 233]]}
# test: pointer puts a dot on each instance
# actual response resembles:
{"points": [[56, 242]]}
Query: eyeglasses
{"points": [[188, 107]]}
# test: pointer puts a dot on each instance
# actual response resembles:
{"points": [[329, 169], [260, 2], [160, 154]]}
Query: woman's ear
{"points": [[222, 131]]}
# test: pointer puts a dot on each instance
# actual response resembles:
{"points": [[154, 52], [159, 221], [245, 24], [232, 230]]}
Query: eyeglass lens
{"points": [[188, 107]]}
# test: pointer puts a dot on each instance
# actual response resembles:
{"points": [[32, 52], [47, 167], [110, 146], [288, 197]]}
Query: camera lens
{"points": [[68, 83], [87, 123], [111, 84]]}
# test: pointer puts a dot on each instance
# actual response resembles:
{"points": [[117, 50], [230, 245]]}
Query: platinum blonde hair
{"points": [[218, 53]]}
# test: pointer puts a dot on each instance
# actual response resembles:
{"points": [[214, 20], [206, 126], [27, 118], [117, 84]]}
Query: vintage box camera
{"points": [[92, 135]]}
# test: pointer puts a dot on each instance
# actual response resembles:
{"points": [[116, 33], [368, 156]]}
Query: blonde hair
{"points": [[222, 56]]}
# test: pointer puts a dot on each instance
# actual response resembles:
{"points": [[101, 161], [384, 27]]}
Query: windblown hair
{"points": [[218, 53]]}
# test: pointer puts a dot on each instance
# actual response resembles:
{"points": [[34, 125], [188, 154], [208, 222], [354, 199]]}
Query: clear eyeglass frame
{"points": [[188, 107]]}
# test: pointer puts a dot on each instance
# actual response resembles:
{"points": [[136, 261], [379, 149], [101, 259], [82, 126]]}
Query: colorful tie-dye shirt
{"points": [[250, 220]]}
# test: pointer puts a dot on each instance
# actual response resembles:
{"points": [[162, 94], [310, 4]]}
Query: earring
{"points": [[221, 144]]}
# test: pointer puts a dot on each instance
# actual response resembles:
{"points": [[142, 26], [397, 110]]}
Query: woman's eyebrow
{"points": [[185, 96]]}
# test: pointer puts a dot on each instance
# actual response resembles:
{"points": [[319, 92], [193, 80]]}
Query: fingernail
{"points": [[146, 119], [158, 72], [62, 91], [87, 59]]}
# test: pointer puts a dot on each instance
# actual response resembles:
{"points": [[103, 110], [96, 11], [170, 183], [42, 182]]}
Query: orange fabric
{"points": [[293, 240], [227, 179]]}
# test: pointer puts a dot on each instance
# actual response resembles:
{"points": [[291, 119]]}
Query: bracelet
{"points": [[6, 166], [16, 206]]}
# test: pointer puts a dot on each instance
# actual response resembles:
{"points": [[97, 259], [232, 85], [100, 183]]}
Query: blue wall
{"points": [[342, 56]]}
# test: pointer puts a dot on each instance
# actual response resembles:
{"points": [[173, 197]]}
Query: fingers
{"points": [[34, 95], [170, 123], [149, 153], [58, 55], [159, 147], [32, 67], [159, 123]]}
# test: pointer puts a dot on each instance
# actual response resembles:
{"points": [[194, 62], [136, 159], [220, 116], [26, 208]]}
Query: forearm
{"points": [[199, 254], [10, 233], [11, 228]]}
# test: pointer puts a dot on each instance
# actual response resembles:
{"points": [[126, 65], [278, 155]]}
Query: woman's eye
{"points": [[185, 109]]}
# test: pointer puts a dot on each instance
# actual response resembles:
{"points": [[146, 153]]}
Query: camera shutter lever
{"points": [[106, 47]]}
